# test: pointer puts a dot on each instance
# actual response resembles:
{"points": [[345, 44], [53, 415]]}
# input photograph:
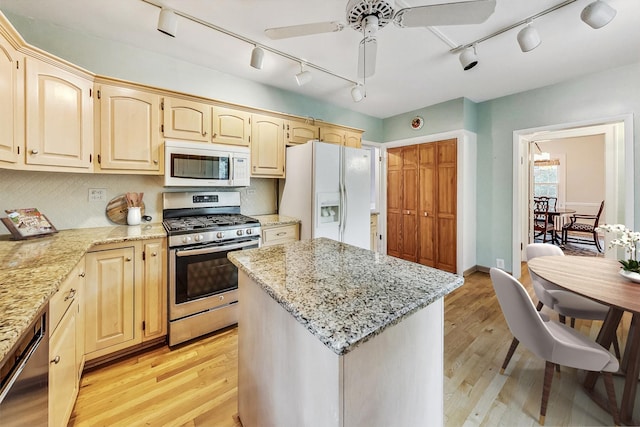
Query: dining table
{"points": [[552, 214], [599, 279]]}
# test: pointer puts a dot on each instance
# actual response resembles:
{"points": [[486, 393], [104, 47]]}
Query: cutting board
{"points": [[117, 210]]}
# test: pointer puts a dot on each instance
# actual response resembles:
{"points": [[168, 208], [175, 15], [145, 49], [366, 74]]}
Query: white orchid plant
{"points": [[626, 239]]}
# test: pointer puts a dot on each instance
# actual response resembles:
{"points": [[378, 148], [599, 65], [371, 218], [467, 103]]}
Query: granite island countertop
{"points": [[342, 294], [32, 270]]}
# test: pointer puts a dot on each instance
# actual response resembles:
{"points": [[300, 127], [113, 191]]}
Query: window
{"points": [[546, 180]]}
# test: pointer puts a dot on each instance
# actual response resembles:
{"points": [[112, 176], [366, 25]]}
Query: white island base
{"points": [[288, 378]]}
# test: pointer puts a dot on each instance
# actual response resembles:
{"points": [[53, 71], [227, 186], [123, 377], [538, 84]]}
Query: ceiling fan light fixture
{"points": [[257, 58], [528, 38], [168, 22], [303, 77], [597, 14], [357, 93], [469, 58]]}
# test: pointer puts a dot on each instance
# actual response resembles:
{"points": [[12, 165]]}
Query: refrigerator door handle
{"points": [[344, 208]]}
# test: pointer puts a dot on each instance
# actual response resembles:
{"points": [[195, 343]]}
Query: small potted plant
{"points": [[628, 240]]}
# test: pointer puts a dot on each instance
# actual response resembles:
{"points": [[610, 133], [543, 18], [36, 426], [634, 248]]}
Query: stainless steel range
{"points": [[203, 284]]}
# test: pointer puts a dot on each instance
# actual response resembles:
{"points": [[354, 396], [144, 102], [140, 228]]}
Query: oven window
{"points": [[199, 167], [198, 276]]}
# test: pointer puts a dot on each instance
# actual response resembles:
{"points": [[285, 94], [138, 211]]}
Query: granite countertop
{"points": [[274, 220], [32, 270], [342, 294]]}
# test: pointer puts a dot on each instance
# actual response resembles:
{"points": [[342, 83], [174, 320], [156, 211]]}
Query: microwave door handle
{"points": [[232, 166], [213, 249]]}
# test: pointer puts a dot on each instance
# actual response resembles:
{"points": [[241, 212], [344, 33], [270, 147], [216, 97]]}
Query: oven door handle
{"points": [[213, 249]]}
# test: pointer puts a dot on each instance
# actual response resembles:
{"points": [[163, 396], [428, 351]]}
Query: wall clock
{"points": [[417, 122]]}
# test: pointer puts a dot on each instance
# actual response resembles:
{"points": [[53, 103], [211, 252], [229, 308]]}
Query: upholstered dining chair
{"points": [[563, 302], [583, 224], [554, 342]]}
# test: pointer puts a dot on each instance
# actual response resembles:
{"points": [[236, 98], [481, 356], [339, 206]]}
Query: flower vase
{"points": [[630, 275], [134, 216]]}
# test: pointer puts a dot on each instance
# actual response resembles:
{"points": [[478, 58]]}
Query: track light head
{"points": [[356, 93], [257, 58], [303, 77], [528, 38], [469, 58], [168, 22], [598, 14]]}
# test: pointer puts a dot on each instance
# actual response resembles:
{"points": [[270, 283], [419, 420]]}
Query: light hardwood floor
{"points": [[196, 384]]}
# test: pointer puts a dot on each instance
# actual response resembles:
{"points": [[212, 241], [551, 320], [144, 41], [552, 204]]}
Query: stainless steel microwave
{"points": [[199, 164]]}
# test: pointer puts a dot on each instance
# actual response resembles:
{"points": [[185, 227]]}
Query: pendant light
{"points": [[528, 38], [303, 77], [257, 58], [168, 22], [469, 58], [598, 14]]}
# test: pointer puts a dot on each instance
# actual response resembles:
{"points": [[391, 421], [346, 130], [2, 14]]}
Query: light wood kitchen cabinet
{"points": [[129, 139], [185, 119], [353, 139], [65, 347], [126, 296], [267, 146], [332, 135], [278, 234], [11, 115], [59, 117], [231, 126], [422, 203], [301, 132]]}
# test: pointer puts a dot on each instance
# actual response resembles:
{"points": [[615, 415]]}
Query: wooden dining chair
{"points": [[565, 303], [583, 224], [554, 342], [541, 224]]}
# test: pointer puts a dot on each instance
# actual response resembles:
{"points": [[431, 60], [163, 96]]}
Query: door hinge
{"points": [[162, 105], [144, 325], [90, 92], [144, 255], [162, 128], [521, 246], [18, 150], [17, 65], [99, 159], [90, 158], [98, 93]]}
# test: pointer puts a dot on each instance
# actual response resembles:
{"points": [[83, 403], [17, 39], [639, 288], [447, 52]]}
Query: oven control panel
{"points": [[195, 238]]}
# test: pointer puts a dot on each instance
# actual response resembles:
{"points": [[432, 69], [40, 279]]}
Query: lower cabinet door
{"points": [[63, 379]]}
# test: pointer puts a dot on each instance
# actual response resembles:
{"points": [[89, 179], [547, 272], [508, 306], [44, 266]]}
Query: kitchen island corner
{"points": [[334, 335]]}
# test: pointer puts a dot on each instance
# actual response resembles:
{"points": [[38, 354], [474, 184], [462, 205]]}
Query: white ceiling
{"points": [[414, 67]]}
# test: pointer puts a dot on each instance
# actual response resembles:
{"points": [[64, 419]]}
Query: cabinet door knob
{"points": [[426, 214], [155, 162], [34, 151], [82, 274], [127, 259], [72, 294], [215, 135], [154, 254], [204, 133], [56, 360]]}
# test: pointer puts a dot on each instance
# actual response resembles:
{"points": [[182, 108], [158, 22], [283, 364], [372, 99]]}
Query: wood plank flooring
{"points": [[196, 384]]}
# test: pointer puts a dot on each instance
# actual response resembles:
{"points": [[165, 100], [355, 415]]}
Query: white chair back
{"points": [[541, 286]]}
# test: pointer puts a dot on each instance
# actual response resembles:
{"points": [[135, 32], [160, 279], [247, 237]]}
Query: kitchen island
{"points": [[334, 335]]}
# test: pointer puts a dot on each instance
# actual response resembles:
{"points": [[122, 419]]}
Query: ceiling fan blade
{"points": [[367, 57], [303, 30], [465, 12]]}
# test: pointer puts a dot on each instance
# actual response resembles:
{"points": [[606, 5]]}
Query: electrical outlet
{"points": [[97, 194], [499, 263]]}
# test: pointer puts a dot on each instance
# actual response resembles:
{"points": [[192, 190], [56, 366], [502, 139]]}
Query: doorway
{"points": [[618, 160]]}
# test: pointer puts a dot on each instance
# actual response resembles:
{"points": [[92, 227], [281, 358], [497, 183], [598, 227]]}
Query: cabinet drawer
{"points": [[61, 300], [277, 235]]}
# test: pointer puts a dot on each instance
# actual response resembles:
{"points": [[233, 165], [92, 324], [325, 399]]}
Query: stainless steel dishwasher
{"points": [[24, 384]]}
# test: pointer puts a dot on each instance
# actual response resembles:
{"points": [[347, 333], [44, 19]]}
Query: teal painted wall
{"points": [[443, 117], [597, 96], [130, 63]]}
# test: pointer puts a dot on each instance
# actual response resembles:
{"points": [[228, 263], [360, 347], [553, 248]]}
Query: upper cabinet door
{"points": [[9, 86], [59, 117], [186, 119], [301, 132], [231, 126], [353, 139], [332, 135], [267, 146], [129, 130]]}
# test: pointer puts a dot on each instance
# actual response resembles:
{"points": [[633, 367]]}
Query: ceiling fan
{"points": [[368, 16]]}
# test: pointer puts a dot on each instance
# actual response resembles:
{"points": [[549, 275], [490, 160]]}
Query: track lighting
{"points": [[528, 38], [168, 22], [356, 93], [597, 14], [257, 57], [469, 58], [303, 77]]}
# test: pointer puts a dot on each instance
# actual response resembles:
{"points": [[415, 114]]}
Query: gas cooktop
{"points": [[208, 222]]}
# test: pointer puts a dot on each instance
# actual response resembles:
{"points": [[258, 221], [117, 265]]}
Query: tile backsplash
{"points": [[64, 197]]}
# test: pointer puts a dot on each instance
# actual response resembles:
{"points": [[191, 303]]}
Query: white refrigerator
{"points": [[327, 187]]}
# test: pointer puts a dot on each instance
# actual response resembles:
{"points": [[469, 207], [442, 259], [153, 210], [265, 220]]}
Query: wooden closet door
{"points": [[410, 203], [427, 233], [446, 215], [394, 201]]}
